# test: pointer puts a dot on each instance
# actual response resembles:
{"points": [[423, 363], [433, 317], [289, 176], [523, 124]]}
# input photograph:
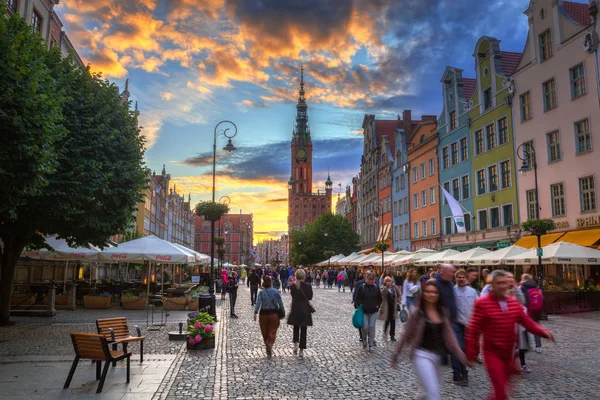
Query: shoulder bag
{"points": [[310, 307]]}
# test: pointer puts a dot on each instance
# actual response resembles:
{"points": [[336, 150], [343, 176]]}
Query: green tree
{"points": [[313, 242], [71, 158]]}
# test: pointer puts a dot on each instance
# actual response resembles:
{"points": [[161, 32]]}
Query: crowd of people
{"points": [[447, 312]]}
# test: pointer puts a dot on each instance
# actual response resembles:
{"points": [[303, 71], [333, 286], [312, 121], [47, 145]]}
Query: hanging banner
{"points": [[456, 209]]}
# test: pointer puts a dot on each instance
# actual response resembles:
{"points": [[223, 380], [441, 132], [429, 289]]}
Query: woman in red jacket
{"points": [[495, 316]]}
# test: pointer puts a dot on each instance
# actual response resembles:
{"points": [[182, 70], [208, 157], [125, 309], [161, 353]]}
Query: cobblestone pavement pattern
{"points": [[334, 366]]}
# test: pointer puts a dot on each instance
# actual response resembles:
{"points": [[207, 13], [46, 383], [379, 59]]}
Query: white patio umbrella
{"points": [[345, 260], [436, 258], [375, 259], [356, 261], [426, 251], [147, 248], [408, 259], [558, 253], [388, 260], [464, 257], [497, 257]]}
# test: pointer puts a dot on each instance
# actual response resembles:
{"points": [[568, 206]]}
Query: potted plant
{"points": [[22, 296], [131, 301], [97, 300], [175, 303], [211, 210], [200, 331], [61, 298]]}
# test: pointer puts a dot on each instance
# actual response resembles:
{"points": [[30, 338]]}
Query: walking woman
{"points": [[268, 306], [225, 279], [389, 307], [369, 296], [428, 333], [411, 289], [232, 288], [300, 313]]}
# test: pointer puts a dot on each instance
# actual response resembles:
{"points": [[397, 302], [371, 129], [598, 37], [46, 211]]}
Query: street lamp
{"points": [[527, 153], [229, 149]]}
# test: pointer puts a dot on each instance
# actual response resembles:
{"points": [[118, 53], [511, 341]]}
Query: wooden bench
{"points": [[90, 346], [115, 331]]}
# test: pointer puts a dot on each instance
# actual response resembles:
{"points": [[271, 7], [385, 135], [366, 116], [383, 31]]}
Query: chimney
{"points": [[407, 122]]}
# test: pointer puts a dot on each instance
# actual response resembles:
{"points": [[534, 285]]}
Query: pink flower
{"points": [[208, 328], [191, 341], [198, 325], [198, 338]]}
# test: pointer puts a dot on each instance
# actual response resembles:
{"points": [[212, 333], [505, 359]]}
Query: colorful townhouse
{"points": [[557, 117], [493, 157], [455, 157], [385, 191], [423, 188]]}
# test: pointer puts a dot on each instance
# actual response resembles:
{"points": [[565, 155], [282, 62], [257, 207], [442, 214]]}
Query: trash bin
{"points": [[206, 303]]}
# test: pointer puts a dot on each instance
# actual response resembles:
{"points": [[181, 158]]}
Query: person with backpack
{"points": [[361, 281], [269, 310], [534, 301]]}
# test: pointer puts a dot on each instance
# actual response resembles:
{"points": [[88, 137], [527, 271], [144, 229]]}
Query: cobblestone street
{"points": [[334, 366]]}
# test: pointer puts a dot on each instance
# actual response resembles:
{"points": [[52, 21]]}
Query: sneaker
{"points": [[538, 349], [393, 339], [525, 368], [301, 353], [365, 344], [371, 349]]}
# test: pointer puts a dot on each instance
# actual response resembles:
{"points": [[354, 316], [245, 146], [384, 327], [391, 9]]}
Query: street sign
{"points": [[540, 251]]}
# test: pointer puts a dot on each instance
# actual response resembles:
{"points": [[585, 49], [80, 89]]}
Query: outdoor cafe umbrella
{"points": [[347, 259], [497, 257], [464, 257], [408, 259], [558, 253], [436, 258]]}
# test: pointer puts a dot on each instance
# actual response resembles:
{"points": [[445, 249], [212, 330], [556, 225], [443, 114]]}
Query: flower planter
{"points": [[193, 304], [175, 303], [26, 299], [59, 300], [206, 343], [133, 303], [97, 302]]}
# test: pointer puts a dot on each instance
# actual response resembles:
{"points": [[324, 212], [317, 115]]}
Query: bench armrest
{"points": [[130, 339]]}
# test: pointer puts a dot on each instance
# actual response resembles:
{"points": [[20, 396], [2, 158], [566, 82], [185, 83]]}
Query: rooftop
{"points": [[579, 12], [510, 60]]}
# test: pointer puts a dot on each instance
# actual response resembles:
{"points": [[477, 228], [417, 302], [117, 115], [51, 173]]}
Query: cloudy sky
{"points": [[193, 63]]}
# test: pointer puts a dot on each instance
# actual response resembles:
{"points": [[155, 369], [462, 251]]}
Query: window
{"points": [[431, 167], [414, 174], [494, 217], [12, 5], [400, 206], [423, 198], [466, 189], [507, 215], [447, 189], [483, 222], [577, 81], [36, 21], [456, 189], [582, 136], [416, 229], [587, 194], [548, 88], [397, 183], [445, 159], [505, 174], [406, 231], [557, 192], [479, 149], [406, 205], [490, 134], [452, 119], [502, 131], [464, 149], [454, 152], [424, 228], [531, 204], [553, 146], [545, 45], [487, 98], [416, 201], [448, 225], [432, 195], [481, 187], [467, 219], [493, 178], [422, 168], [525, 102], [433, 227]]}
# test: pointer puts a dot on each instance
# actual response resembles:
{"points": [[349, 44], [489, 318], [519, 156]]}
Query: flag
{"points": [[456, 209]]}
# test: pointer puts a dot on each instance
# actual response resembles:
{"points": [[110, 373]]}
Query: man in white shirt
{"points": [[465, 297]]}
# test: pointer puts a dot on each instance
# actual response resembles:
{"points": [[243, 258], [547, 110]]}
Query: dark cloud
{"points": [[279, 200], [199, 161]]}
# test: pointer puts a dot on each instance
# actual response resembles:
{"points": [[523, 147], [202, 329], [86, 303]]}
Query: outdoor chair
{"points": [[115, 331], [89, 346]]}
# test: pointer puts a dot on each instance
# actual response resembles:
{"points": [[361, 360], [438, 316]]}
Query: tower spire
{"points": [[301, 130]]}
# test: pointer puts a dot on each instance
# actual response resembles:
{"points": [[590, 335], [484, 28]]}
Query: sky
{"points": [[194, 63]]}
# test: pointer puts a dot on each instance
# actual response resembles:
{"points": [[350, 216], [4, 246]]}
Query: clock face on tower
{"points": [[301, 154]]}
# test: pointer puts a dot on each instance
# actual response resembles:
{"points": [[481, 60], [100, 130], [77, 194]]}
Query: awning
{"points": [[384, 232], [463, 247], [586, 238], [367, 251], [529, 242]]}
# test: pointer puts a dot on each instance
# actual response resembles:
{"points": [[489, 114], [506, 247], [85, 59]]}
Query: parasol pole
{"points": [[65, 277], [149, 277]]}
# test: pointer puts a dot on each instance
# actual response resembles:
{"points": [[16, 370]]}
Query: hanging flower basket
{"points": [[211, 210], [382, 246], [538, 227]]}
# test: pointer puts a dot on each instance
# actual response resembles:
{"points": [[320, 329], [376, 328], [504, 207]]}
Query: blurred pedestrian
{"points": [[267, 309], [300, 313], [232, 288], [389, 307], [369, 296]]}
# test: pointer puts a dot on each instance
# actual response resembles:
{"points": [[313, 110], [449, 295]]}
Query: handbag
{"points": [[358, 318], [310, 307], [280, 311], [403, 315]]}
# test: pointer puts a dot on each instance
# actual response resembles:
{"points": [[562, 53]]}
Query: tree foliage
{"points": [[538, 227], [312, 241], [71, 153]]}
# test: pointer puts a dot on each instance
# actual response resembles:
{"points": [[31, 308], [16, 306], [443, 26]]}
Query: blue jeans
{"points": [[458, 369], [369, 324], [411, 302]]}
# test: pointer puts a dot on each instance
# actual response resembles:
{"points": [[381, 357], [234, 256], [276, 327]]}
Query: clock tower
{"points": [[303, 205]]}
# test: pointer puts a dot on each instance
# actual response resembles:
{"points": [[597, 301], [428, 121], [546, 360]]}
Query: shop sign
{"points": [[588, 221], [561, 224], [501, 245]]}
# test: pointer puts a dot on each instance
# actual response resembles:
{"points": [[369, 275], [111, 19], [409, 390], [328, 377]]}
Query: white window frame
{"points": [[465, 141], [446, 219], [452, 154], [502, 216], [549, 97], [487, 225], [552, 148], [489, 183], [431, 166], [433, 226], [468, 217], [415, 201], [531, 203], [415, 175], [588, 136], [416, 229], [494, 136], [484, 182], [525, 108], [560, 198], [592, 193], [432, 195], [424, 228], [500, 180], [422, 171], [462, 194], [423, 198], [574, 81]]}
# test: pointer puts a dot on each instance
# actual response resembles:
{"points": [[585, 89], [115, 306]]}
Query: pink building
{"points": [[557, 111]]}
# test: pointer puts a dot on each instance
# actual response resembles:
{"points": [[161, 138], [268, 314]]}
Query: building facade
{"points": [[493, 161], [557, 113], [269, 252], [236, 229], [454, 155], [304, 206], [165, 213], [385, 192], [423, 188]]}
